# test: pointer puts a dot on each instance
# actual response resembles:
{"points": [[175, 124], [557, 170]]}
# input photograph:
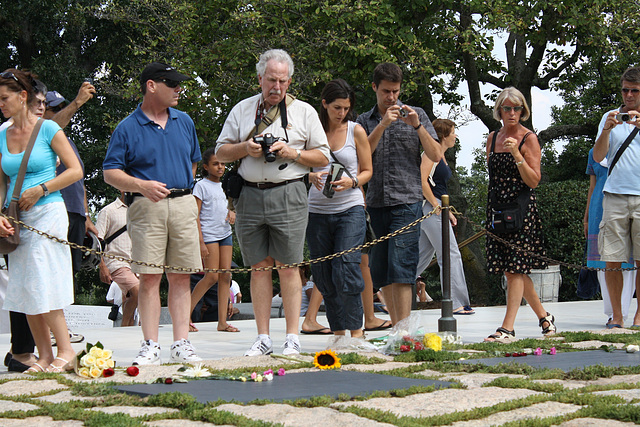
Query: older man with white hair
{"points": [[277, 138]]}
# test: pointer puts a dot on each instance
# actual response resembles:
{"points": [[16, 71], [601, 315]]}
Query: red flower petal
{"points": [[132, 371], [108, 372]]}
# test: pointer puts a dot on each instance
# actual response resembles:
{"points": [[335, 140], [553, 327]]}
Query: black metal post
{"points": [[447, 323]]}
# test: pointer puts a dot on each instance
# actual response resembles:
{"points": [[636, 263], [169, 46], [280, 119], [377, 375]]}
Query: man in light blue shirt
{"points": [[619, 235]]}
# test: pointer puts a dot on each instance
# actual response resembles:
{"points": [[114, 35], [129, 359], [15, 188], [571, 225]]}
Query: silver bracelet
{"points": [[520, 162]]}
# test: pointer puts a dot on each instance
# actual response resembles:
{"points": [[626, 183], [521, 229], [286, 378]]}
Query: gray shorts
{"points": [[272, 223], [619, 235]]}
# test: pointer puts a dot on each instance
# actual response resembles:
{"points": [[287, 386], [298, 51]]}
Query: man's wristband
{"points": [[418, 127], [298, 156]]}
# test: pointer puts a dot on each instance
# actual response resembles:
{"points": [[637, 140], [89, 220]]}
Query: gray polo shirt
{"points": [[396, 160]]}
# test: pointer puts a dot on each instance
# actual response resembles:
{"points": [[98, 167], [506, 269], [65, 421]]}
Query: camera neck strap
{"points": [[623, 147], [277, 111], [335, 159]]}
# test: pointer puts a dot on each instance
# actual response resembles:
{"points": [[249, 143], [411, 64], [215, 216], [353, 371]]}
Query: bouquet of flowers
{"points": [[94, 362]]}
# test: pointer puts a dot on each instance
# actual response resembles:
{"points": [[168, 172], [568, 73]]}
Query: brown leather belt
{"points": [[267, 185]]}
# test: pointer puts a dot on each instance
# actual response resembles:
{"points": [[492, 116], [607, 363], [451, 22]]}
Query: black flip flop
{"points": [[317, 332], [381, 327]]}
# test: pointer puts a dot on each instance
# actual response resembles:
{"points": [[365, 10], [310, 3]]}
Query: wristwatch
{"points": [[46, 190], [298, 156]]}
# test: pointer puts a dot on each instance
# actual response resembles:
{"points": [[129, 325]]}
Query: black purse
{"points": [[508, 217]]}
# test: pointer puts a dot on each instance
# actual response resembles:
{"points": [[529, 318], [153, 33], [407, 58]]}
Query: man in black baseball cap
{"points": [[160, 72], [153, 155]]}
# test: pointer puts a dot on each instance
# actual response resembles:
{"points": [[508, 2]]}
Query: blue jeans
{"points": [[340, 279], [395, 260]]}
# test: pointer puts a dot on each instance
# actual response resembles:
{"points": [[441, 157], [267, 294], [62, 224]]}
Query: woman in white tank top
{"points": [[337, 221]]}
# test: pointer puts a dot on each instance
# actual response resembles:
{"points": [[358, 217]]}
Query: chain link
{"points": [[221, 270], [435, 210], [541, 257]]}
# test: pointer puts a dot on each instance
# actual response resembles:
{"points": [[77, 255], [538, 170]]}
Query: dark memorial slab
{"points": [[302, 385], [567, 361]]}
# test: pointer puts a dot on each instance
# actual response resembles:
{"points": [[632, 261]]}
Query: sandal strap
{"points": [[506, 331], [550, 319]]}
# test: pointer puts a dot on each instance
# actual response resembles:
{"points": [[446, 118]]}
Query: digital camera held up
{"points": [[266, 141]]}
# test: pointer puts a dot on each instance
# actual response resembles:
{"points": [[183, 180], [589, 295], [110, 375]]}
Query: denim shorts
{"points": [[395, 260], [227, 241]]}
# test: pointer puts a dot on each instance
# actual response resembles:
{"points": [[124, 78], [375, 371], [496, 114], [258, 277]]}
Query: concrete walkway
{"points": [[211, 344]]}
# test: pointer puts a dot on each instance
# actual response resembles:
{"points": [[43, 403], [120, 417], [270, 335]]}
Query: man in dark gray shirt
{"points": [[394, 196]]}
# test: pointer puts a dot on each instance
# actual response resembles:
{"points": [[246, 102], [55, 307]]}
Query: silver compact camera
{"points": [[402, 112], [623, 117]]}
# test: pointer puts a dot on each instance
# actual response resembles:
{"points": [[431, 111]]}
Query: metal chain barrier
{"points": [[541, 257], [220, 270], [435, 210]]}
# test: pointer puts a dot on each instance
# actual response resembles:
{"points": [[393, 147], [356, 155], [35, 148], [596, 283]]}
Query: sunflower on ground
{"points": [[326, 359]]}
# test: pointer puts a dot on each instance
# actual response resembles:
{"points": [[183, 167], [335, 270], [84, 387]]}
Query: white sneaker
{"points": [[183, 352], [149, 353], [260, 347], [291, 346]]}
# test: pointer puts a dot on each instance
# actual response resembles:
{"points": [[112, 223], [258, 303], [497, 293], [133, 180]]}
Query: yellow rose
{"points": [[88, 360], [96, 352], [110, 363], [84, 372], [101, 364], [432, 341], [106, 354], [95, 372]]}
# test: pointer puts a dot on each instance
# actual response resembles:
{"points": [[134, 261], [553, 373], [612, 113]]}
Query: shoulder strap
{"points": [[115, 235], [524, 138], [25, 159], [493, 141], [433, 171], [273, 115], [623, 147], [335, 159]]}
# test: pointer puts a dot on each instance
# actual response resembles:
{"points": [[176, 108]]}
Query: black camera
{"points": [[266, 141], [403, 112]]}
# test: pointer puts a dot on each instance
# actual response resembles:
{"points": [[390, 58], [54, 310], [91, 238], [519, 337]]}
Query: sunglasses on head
{"points": [[507, 109], [9, 75], [170, 83], [627, 90]]}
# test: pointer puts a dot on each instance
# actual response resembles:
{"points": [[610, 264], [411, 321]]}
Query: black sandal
{"points": [[551, 326], [501, 335]]}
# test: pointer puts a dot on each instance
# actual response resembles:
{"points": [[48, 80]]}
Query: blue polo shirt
{"points": [[145, 150]]}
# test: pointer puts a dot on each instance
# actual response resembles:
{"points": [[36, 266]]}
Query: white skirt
{"points": [[40, 273]]}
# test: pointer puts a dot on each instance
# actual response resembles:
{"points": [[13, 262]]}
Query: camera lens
{"points": [[403, 112]]}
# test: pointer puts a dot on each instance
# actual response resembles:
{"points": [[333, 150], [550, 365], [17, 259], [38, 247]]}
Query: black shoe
{"points": [[15, 366], [7, 358]]}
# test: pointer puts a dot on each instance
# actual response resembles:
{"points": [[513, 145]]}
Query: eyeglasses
{"points": [[170, 83], [507, 109], [633, 91]]}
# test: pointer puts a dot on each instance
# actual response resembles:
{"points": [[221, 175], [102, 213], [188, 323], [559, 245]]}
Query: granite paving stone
{"points": [[594, 422], [133, 411], [300, 417], [475, 380], [20, 387], [627, 395], [179, 422], [40, 421], [539, 410], [9, 405], [66, 396], [441, 401]]}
